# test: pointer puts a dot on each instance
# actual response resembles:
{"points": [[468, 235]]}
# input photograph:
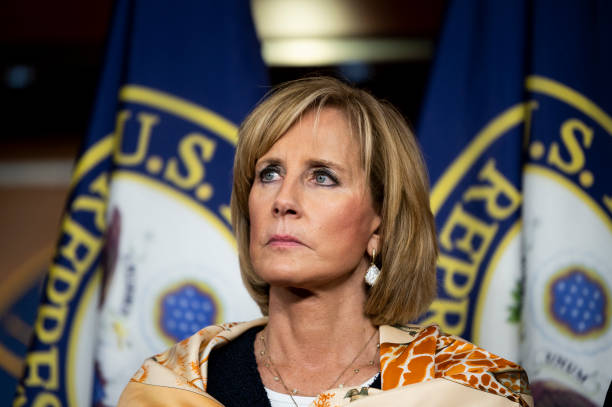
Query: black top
{"points": [[233, 378]]}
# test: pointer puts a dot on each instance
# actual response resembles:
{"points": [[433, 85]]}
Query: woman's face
{"points": [[310, 209]]}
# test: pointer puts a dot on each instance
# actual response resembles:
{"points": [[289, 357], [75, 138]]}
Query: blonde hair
{"points": [[396, 175]]}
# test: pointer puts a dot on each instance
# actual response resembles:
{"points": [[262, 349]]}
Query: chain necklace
{"points": [[278, 378]]}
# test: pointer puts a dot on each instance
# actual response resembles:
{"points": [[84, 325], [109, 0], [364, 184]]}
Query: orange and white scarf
{"points": [[420, 366]]}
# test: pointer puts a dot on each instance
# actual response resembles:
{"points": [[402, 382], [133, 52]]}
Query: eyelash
{"points": [[267, 170], [327, 173], [315, 173]]}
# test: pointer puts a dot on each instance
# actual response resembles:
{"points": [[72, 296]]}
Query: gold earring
{"points": [[373, 271]]}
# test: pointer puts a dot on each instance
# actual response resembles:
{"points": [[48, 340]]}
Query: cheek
{"points": [[254, 245], [254, 227], [349, 222], [253, 221]]}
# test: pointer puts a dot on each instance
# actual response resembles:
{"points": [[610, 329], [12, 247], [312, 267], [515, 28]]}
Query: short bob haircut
{"points": [[398, 182]]}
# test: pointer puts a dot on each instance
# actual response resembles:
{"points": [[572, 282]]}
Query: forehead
{"points": [[324, 131]]}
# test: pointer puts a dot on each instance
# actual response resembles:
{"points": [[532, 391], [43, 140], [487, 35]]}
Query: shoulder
{"points": [[184, 366], [413, 354]]}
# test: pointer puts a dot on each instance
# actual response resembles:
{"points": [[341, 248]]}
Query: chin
{"points": [[279, 278], [305, 281], [273, 268], [302, 273]]}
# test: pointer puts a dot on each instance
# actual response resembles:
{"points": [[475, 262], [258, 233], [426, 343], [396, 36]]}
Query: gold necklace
{"points": [[265, 354]]}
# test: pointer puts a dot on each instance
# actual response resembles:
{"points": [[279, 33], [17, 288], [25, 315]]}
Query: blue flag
{"points": [[146, 256], [516, 131]]}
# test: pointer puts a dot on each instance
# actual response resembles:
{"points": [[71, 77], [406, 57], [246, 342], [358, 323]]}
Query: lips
{"points": [[284, 241]]}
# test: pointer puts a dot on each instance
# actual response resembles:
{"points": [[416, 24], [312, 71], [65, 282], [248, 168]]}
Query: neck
{"points": [[318, 338], [312, 329]]}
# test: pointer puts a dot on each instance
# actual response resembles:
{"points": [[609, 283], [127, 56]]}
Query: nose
{"points": [[287, 200]]}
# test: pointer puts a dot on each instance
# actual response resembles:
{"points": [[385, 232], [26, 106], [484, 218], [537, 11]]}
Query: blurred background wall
{"points": [[51, 56]]}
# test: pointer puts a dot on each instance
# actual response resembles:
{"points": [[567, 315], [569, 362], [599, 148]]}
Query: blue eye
{"points": [[322, 177], [269, 174]]}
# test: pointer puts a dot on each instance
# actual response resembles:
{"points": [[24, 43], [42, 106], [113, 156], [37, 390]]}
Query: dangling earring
{"points": [[373, 271]]}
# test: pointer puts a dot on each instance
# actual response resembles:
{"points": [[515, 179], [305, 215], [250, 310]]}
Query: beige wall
{"points": [[33, 191]]}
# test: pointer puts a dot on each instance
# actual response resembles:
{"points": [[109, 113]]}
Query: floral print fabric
{"points": [[408, 355]]}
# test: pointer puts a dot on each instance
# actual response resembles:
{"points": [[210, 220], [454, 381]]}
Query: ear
{"points": [[374, 244]]}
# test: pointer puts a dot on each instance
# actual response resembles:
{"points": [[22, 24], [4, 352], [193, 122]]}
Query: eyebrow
{"points": [[326, 163], [266, 162], [311, 163]]}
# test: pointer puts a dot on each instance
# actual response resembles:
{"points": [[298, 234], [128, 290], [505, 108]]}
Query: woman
{"points": [[337, 245]]}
